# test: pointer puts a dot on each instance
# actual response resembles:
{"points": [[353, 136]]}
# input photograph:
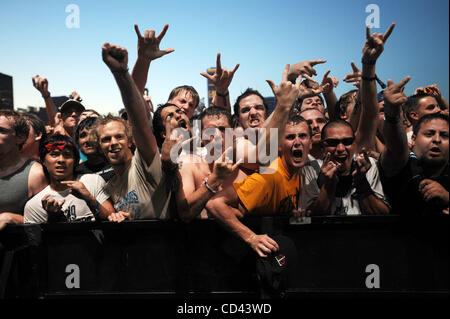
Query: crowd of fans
{"points": [[367, 152]]}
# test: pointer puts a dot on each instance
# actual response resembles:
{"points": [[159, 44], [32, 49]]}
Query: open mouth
{"points": [[182, 124], [297, 154], [435, 151], [254, 122], [60, 169], [340, 159]]}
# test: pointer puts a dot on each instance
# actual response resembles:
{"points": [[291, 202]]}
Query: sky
{"points": [[262, 35]]}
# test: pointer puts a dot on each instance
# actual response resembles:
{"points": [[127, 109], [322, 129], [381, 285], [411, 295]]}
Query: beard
{"points": [[433, 162]]}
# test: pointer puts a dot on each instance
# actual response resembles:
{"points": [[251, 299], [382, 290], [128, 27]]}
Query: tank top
{"points": [[14, 189]]}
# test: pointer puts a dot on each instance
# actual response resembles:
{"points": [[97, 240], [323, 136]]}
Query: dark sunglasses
{"points": [[333, 142]]}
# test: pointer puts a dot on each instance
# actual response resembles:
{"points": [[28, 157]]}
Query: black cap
{"points": [[275, 272], [72, 103]]}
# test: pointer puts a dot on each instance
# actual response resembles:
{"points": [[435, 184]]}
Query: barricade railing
{"points": [[337, 256]]}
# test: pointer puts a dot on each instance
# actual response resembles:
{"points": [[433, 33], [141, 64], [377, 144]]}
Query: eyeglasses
{"points": [[333, 142]]}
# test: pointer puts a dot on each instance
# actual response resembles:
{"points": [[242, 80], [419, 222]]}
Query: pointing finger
{"points": [[218, 64], [138, 33], [314, 62], [284, 76]]}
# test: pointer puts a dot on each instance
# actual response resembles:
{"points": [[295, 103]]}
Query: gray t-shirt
{"points": [[141, 190], [74, 208], [345, 205]]}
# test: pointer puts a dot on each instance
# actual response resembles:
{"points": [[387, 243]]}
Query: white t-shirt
{"points": [[74, 208], [346, 205], [141, 190]]}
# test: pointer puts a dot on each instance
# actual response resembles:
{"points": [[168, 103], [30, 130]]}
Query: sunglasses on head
{"points": [[333, 142]]}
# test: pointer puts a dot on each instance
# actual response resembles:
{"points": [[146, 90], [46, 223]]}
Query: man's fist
{"points": [[115, 57]]}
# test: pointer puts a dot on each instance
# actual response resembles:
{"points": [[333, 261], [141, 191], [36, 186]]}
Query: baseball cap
{"points": [[276, 272], [71, 103]]}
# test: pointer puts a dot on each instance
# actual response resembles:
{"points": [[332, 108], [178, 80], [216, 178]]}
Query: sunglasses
{"points": [[333, 142]]}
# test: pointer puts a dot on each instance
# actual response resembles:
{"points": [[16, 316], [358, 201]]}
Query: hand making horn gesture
{"points": [[222, 78], [393, 95], [148, 45], [374, 45], [287, 92], [305, 67], [354, 77], [331, 80]]}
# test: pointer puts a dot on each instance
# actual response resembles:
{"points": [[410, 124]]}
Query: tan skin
{"points": [[60, 166], [11, 160], [193, 194], [228, 209]]}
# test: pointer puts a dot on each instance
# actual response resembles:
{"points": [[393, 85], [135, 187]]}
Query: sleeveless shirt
{"points": [[14, 189]]}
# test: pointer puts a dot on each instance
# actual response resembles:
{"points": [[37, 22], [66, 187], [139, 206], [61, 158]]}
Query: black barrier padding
{"points": [[163, 259]]}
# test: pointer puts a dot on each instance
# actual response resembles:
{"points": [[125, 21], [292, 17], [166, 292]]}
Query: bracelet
{"points": [[209, 187], [223, 95], [47, 96], [392, 119], [120, 71], [368, 79], [368, 62]]}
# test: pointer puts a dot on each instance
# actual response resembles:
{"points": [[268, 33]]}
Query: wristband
{"points": [[223, 95], [209, 187], [368, 62], [120, 71], [368, 79], [392, 119]]}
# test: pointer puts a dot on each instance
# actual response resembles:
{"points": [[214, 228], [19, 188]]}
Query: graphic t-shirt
{"points": [[74, 208], [141, 190]]}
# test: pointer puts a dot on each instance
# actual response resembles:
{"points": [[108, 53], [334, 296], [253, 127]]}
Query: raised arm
{"points": [[328, 92], [367, 127], [192, 201], [116, 58], [148, 50], [41, 84], [222, 80], [396, 151], [286, 94], [301, 68]]}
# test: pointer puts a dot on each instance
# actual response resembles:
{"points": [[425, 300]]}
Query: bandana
{"points": [[57, 146]]}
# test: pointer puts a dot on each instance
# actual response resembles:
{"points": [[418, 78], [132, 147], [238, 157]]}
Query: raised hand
{"points": [[393, 95], [329, 169], [51, 205], [374, 45], [354, 77], [362, 163], [41, 84], [223, 167], [309, 87], [222, 78], [262, 244], [287, 92], [78, 189], [115, 57], [301, 68], [331, 80], [148, 45]]}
